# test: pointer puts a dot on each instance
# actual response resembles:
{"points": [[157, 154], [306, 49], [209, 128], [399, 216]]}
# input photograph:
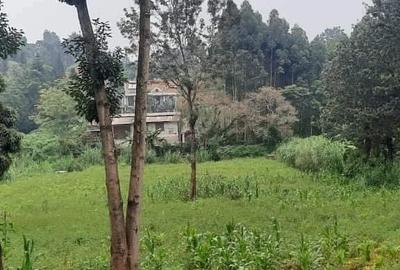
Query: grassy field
{"points": [[66, 214]]}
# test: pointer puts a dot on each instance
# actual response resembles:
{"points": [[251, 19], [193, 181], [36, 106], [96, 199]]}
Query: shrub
{"points": [[91, 156], [313, 154], [39, 146], [242, 151], [68, 164], [379, 173], [151, 156], [204, 155]]}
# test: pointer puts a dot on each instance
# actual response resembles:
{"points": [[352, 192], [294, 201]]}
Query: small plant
{"points": [[155, 254], [6, 227], [198, 250], [335, 246], [27, 262], [308, 255], [365, 250]]}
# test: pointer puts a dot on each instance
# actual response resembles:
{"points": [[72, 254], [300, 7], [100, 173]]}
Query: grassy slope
{"points": [[66, 214]]}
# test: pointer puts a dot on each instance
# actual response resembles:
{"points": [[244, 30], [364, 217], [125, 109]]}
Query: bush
{"points": [[24, 164], [39, 146], [313, 154], [318, 154], [379, 173], [204, 155], [68, 164], [91, 156], [243, 151]]}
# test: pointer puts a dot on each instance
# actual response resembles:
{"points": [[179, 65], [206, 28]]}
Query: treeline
{"points": [[345, 87], [250, 52]]}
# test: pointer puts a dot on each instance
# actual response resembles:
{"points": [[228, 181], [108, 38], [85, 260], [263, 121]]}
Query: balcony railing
{"points": [[155, 104]]}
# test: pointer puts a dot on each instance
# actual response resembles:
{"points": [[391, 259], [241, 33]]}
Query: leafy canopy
{"points": [[108, 72]]}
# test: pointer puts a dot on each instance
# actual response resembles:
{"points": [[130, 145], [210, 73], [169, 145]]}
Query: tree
{"points": [[362, 83], [237, 50], [323, 49], [139, 137], [24, 84], [269, 116], [217, 116], [307, 103], [180, 56], [95, 90], [52, 54], [10, 40], [299, 57], [55, 112]]}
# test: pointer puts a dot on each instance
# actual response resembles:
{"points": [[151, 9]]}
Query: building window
{"points": [[160, 127], [130, 104], [161, 104], [131, 101]]}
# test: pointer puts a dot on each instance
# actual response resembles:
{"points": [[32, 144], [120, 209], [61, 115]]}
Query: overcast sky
{"points": [[34, 16]]}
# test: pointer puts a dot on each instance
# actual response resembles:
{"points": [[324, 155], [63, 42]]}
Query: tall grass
{"points": [[313, 154], [24, 164], [209, 186]]}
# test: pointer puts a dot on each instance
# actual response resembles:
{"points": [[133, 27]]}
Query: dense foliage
{"points": [[55, 113], [28, 71], [362, 83], [10, 40]]}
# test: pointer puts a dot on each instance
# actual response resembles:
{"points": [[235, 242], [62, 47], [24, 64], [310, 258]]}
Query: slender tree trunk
{"points": [[367, 148], [139, 139], [193, 162], [390, 148], [115, 204], [1, 258], [292, 76], [271, 81], [193, 146]]}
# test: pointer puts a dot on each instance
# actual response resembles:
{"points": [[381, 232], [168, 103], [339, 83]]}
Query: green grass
{"points": [[66, 214]]}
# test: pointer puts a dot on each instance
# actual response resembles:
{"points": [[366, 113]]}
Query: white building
{"points": [[162, 113]]}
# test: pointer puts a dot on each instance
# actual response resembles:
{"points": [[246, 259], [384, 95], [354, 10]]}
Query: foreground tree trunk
{"points": [[115, 204], [139, 138], [1, 258], [118, 250]]}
